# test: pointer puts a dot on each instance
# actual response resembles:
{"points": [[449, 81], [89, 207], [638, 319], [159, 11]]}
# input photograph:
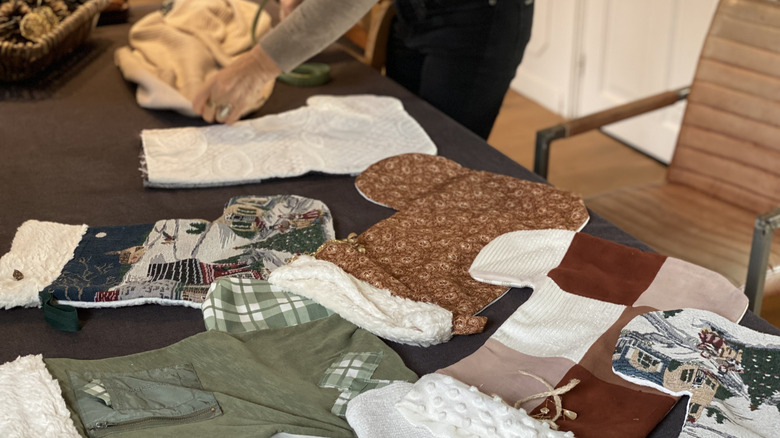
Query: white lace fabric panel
{"points": [[331, 134]]}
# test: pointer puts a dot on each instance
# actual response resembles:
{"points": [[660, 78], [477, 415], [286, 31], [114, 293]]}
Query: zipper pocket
{"points": [[104, 428]]}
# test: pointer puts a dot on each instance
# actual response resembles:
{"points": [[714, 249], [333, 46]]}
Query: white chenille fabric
{"points": [[376, 310], [31, 403], [450, 408], [39, 266], [330, 134]]}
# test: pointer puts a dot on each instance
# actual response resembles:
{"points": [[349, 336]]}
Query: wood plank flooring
{"points": [[586, 164]]}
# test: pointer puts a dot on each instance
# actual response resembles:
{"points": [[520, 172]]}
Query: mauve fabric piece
{"points": [[702, 290], [71, 144], [504, 378]]}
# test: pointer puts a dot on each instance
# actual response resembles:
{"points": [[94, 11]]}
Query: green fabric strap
{"points": [[308, 74], [59, 316]]}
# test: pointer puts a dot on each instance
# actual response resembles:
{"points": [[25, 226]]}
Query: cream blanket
{"points": [[171, 55]]}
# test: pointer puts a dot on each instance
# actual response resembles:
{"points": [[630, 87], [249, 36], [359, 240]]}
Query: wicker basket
{"points": [[20, 61]]}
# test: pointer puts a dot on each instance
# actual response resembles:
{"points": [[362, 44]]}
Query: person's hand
{"points": [[287, 6], [227, 95]]}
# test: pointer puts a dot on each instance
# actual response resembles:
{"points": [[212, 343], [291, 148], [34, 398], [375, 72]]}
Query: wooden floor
{"points": [[586, 164]]}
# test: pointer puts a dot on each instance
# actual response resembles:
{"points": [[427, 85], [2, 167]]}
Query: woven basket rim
{"points": [[85, 12]]}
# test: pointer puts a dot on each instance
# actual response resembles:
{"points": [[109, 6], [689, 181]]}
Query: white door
{"points": [[620, 50]]}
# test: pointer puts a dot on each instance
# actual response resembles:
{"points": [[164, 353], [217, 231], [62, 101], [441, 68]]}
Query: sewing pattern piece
{"points": [[731, 373], [585, 290], [447, 213], [351, 373], [331, 134], [238, 305], [174, 261]]}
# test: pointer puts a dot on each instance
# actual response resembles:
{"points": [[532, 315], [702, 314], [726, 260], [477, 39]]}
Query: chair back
{"points": [[729, 142], [367, 40]]}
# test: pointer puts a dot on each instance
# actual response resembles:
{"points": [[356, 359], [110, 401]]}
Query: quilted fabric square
{"points": [[446, 214]]}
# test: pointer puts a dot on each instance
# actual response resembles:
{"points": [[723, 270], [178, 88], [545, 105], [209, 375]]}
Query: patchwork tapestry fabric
{"points": [[446, 214], [172, 52], [238, 305], [256, 378], [331, 134], [586, 289], [172, 261], [731, 373]]}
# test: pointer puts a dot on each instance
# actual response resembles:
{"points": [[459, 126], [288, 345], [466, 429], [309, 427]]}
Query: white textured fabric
{"points": [[376, 310], [171, 55], [372, 414], [331, 134], [450, 408], [538, 329], [31, 404], [539, 250], [39, 252]]}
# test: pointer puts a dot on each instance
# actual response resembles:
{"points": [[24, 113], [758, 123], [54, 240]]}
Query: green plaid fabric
{"points": [[95, 388], [238, 305], [352, 375]]}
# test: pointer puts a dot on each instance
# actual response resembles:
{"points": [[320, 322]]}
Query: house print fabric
{"points": [[446, 214], [731, 373], [331, 134], [172, 261], [586, 289]]}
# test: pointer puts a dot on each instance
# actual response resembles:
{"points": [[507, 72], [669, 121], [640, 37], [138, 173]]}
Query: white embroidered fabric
{"points": [[331, 134]]}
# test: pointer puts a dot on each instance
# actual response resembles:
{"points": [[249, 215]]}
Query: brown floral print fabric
{"points": [[447, 214]]}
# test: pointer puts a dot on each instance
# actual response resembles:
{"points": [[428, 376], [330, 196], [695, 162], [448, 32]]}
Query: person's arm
{"points": [[311, 27]]}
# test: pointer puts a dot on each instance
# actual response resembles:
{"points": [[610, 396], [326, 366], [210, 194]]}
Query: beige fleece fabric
{"points": [[171, 55]]}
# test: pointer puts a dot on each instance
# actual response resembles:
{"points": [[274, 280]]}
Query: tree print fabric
{"points": [[731, 373]]}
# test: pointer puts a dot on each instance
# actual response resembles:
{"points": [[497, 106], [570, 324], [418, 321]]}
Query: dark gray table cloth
{"points": [[70, 154]]}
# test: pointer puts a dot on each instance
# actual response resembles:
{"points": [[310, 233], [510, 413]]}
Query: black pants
{"points": [[460, 55]]}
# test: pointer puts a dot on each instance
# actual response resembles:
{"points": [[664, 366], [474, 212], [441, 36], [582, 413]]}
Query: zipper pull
{"points": [[100, 425]]}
